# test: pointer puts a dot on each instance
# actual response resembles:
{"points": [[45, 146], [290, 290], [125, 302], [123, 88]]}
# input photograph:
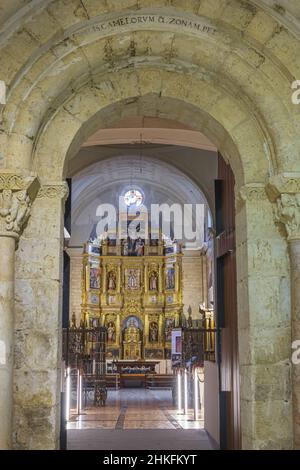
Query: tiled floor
{"points": [[148, 416], [136, 409]]}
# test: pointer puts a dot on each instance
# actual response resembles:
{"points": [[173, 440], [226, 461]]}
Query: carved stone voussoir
{"points": [[16, 197], [54, 191]]}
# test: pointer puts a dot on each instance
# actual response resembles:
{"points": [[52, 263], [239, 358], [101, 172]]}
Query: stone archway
{"points": [[228, 78], [253, 204]]}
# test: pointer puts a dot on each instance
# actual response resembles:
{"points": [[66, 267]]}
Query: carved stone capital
{"points": [[253, 192], [285, 183], [287, 212], [54, 191], [284, 190], [16, 196], [250, 193]]}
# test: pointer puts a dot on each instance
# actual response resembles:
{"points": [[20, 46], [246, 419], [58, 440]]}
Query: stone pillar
{"points": [[7, 278], [38, 323], [295, 292], [288, 213], [16, 195], [264, 323]]}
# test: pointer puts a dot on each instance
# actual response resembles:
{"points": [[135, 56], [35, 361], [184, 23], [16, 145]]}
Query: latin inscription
{"points": [[183, 23]]}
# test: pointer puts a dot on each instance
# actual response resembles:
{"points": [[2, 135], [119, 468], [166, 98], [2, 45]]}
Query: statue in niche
{"points": [[125, 251], [153, 332], [132, 341], [94, 278], [132, 282], [169, 325], [153, 281], [73, 321], [170, 279], [132, 332], [111, 281], [202, 314], [111, 332], [139, 247]]}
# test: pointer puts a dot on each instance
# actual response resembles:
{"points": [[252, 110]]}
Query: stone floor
{"points": [[137, 419]]}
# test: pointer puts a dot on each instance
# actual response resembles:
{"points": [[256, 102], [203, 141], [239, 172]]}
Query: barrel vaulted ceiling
{"points": [[104, 181]]}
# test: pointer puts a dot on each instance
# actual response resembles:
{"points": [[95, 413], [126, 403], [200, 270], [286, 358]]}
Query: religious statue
{"points": [[132, 343], [202, 314], [73, 321], [132, 332], [153, 281], [132, 282], [153, 332], [111, 281], [170, 278], [169, 325], [94, 278], [111, 332], [125, 248], [139, 247], [190, 319]]}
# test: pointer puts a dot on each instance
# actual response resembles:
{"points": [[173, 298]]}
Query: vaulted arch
{"points": [[223, 68]]}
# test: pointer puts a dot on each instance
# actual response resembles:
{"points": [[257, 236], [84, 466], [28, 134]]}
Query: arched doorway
{"points": [[234, 95], [157, 170]]}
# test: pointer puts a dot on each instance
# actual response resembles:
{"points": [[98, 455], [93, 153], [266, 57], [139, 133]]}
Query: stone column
{"points": [[288, 213], [264, 326], [38, 323], [16, 195], [7, 274], [295, 293]]}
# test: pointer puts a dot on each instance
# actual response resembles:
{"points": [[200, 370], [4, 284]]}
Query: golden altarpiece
{"points": [[134, 288]]}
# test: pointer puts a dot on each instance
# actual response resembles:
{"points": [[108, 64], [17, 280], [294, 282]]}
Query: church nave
{"points": [[137, 419]]}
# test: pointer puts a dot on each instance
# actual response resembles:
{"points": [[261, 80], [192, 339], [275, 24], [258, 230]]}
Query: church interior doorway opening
{"points": [[149, 290]]}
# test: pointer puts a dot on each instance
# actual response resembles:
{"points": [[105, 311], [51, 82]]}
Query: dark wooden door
{"points": [[226, 289]]}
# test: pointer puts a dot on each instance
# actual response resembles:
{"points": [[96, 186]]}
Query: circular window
{"points": [[133, 197]]}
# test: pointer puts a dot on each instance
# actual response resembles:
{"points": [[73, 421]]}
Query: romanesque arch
{"points": [[224, 69]]}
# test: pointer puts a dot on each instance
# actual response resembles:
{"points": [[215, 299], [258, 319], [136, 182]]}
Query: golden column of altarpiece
{"points": [[136, 292]]}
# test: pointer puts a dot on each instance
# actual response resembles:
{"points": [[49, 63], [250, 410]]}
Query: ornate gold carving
{"points": [[16, 196], [287, 212], [137, 302], [53, 191], [132, 307]]}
